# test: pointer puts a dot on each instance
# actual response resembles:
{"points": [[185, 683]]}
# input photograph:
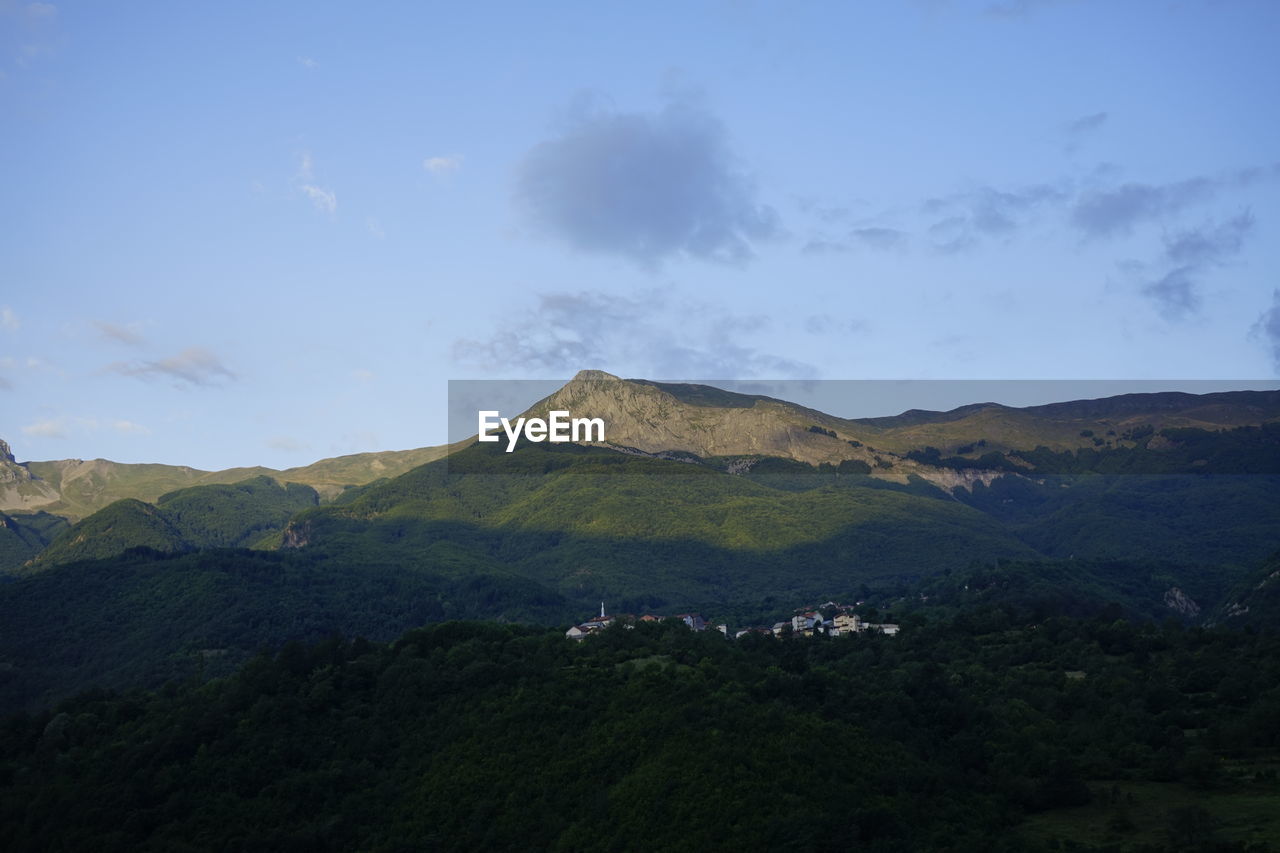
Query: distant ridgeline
{"points": [[737, 507]]}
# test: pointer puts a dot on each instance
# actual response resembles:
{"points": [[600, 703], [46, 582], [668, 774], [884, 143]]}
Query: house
{"points": [[595, 623], [693, 620], [847, 623]]}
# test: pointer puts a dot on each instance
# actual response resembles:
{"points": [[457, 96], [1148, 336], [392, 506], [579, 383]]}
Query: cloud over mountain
{"points": [[647, 186], [645, 335]]}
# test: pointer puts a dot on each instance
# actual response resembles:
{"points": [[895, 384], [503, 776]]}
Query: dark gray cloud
{"points": [[1188, 255], [878, 238], [1210, 243], [647, 186], [1114, 211], [1176, 294], [192, 366], [1086, 124], [986, 212], [1079, 129], [645, 335], [1268, 327], [858, 238]]}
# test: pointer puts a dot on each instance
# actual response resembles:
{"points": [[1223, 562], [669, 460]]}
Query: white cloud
{"points": [[8, 319], [308, 63], [443, 165], [129, 427], [49, 428], [362, 375], [375, 228], [127, 335], [323, 199]]}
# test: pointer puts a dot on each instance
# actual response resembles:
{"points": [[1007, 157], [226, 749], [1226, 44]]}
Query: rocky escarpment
{"points": [[1179, 602], [19, 488]]}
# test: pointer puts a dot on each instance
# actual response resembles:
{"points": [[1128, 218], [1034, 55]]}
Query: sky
{"points": [[268, 233]]}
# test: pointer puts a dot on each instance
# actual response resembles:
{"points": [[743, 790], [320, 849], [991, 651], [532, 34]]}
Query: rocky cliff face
{"points": [[1179, 602], [19, 489]]}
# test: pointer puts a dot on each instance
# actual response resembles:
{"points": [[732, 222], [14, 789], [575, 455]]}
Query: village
{"points": [[839, 621]]}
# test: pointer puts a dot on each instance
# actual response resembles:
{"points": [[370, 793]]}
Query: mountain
{"points": [[212, 516], [702, 501], [76, 488], [709, 422], [649, 532], [19, 488]]}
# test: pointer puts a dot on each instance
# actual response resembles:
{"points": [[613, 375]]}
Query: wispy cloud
{"points": [[8, 319], [324, 199], [194, 366], [49, 428], [647, 186], [127, 335], [1076, 131], [308, 63], [1086, 124], [443, 165], [285, 443], [1188, 255], [1268, 328], [1115, 211], [643, 335], [130, 428], [374, 227]]}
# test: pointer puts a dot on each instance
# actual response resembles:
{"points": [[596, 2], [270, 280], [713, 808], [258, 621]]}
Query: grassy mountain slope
{"points": [[77, 488], [590, 522], [709, 421], [212, 516]]}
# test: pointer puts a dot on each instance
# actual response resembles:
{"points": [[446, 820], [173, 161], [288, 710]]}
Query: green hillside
{"points": [[76, 488], [143, 617], [592, 523], [23, 535], [214, 516], [964, 735]]}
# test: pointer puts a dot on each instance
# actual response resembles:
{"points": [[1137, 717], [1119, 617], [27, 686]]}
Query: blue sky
{"points": [[268, 233]]}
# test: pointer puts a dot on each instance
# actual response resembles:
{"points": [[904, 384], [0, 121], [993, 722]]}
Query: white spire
{"points": [[602, 610]]}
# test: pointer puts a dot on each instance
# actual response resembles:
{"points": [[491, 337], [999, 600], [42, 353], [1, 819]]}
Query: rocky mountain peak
{"points": [[6, 455]]}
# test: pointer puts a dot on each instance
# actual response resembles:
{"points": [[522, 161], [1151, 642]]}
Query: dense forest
{"points": [[979, 732]]}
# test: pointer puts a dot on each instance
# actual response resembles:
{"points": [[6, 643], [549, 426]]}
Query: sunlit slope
{"points": [[709, 421], [77, 488], [584, 520]]}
